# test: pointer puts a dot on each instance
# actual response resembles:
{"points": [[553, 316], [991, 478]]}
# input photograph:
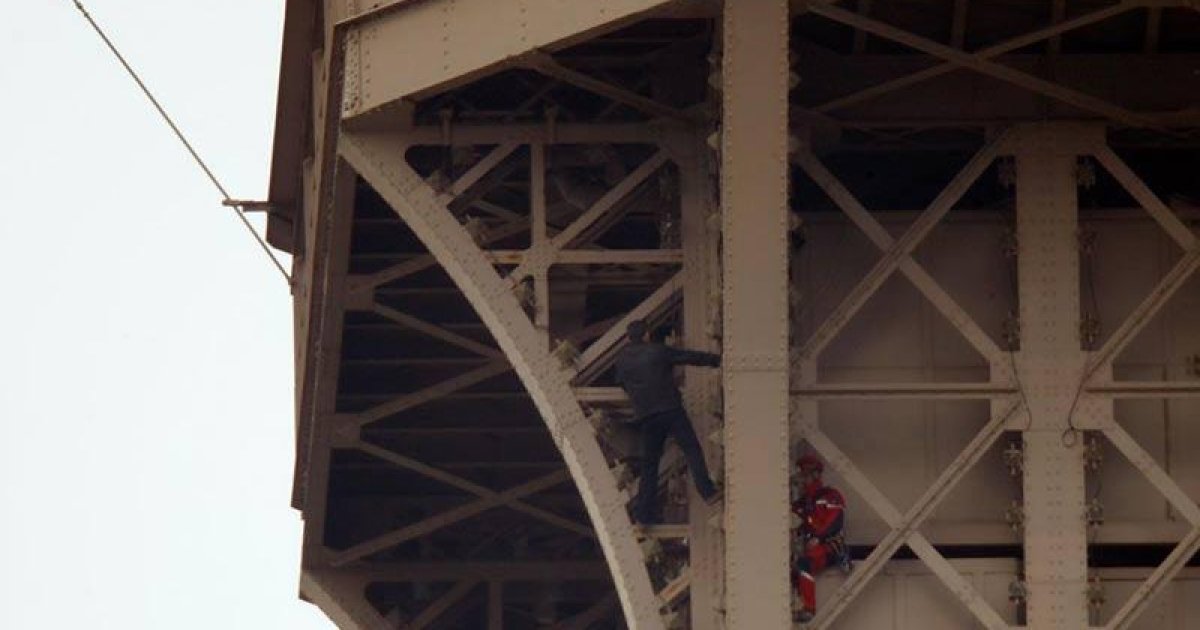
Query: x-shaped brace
{"points": [[904, 525], [909, 267], [899, 255], [488, 499]]}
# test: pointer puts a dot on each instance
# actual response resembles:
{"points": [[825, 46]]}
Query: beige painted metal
{"points": [[340, 596], [326, 278], [903, 526], [754, 207], [1051, 365], [701, 281], [1016, 43], [437, 43], [378, 158], [852, 381], [1030, 82], [873, 376]]}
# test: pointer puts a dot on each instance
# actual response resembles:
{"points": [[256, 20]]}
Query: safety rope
{"points": [[183, 139]]}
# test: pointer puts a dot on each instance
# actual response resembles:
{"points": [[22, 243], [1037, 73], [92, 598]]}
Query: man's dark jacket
{"points": [[645, 372]]}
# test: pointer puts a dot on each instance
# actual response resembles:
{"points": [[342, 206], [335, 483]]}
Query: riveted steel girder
{"points": [[754, 206], [378, 158], [433, 44]]}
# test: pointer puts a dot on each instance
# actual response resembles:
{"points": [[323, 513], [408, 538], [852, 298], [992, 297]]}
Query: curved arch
{"points": [[379, 158]]}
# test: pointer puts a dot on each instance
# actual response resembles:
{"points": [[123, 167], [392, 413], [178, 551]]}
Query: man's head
{"points": [[636, 331], [810, 468]]}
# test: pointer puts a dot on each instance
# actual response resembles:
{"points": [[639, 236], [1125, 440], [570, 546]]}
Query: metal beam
{"points": [[426, 261], [538, 238], [437, 332], [904, 527], [1050, 358], [986, 53], [902, 248], [1145, 389], [594, 256], [321, 351], [442, 604], [342, 598], [941, 300], [436, 44], [503, 571], [1179, 499], [482, 168], [597, 356], [431, 393], [540, 257], [676, 588], [754, 203], [550, 67], [1179, 232], [904, 391], [375, 157], [998, 71], [449, 517], [700, 239], [504, 498], [1159, 580], [593, 615], [560, 133], [495, 605], [958, 25]]}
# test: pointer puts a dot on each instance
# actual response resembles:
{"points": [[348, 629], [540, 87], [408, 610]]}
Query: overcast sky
{"points": [[146, 416]]}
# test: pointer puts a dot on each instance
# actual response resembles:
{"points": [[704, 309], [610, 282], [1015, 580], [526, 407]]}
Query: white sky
{"points": [[146, 418]]}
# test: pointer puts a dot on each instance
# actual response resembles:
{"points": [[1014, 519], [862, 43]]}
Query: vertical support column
{"points": [[331, 262], [1050, 364], [537, 229], [700, 282], [495, 605], [754, 202]]}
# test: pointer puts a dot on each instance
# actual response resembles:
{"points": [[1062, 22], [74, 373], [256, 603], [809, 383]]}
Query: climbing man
{"points": [[819, 539], [645, 370]]}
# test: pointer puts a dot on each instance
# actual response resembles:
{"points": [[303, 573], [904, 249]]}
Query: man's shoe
{"points": [[804, 616]]}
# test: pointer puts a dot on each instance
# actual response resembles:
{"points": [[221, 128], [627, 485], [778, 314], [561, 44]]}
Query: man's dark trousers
{"points": [[655, 429]]}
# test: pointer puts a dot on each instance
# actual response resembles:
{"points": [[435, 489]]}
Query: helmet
{"points": [[809, 462]]}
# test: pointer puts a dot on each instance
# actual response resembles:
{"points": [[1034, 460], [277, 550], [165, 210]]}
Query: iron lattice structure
{"points": [[948, 245]]}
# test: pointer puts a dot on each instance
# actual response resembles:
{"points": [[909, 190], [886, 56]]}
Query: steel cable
{"points": [[183, 139]]}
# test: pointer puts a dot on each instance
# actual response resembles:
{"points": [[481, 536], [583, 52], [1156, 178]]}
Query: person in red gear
{"points": [[819, 540]]}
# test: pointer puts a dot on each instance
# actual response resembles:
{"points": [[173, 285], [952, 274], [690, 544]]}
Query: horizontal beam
{"points": [[437, 44], [427, 526], [1030, 82], [550, 67], [595, 257], [891, 391], [1015, 43], [564, 133], [1146, 389], [514, 571]]}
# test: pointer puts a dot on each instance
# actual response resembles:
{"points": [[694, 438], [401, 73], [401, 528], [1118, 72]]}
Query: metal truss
{"points": [[754, 73], [378, 158], [1099, 388], [340, 596], [449, 31], [980, 62], [1052, 31], [897, 255]]}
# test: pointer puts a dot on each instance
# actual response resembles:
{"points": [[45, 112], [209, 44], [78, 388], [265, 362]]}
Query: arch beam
{"points": [[378, 158]]}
